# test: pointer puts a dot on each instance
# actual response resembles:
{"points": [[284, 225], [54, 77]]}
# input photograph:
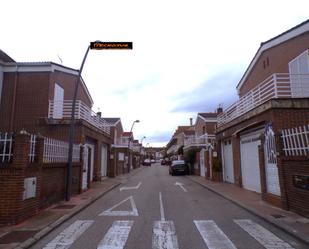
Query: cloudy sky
{"points": [[187, 56]]}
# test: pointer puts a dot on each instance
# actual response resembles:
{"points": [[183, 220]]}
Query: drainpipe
{"points": [[14, 99]]}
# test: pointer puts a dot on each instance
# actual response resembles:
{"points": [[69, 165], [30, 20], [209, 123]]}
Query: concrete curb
{"points": [[283, 227], [29, 242]]}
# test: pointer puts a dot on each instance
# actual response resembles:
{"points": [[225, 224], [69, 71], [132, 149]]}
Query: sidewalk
{"points": [[292, 223], [28, 232]]}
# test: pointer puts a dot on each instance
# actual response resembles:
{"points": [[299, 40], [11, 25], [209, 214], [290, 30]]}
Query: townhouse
{"points": [[35, 114], [273, 98], [202, 143], [125, 155]]}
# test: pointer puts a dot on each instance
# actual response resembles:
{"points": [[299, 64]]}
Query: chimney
{"points": [[191, 121], [220, 109], [99, 114]]}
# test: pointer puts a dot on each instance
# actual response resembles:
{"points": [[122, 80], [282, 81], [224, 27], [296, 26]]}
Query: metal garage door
{"points": [[250, 169], [228, 170]]}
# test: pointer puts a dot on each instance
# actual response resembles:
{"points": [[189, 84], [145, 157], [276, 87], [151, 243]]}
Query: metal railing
{"points": [[278, 85], [122, 141], [205, 139], [296, 141], [56, 151], [62, 109]]}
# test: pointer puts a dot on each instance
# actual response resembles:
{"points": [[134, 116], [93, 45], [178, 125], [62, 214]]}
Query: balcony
{"points": [[204, 140], [278, 85], [63, 109]]}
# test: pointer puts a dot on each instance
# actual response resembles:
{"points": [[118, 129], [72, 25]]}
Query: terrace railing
{"points": [[278, 85], [62, 109], [199, 140], [296, 141]]}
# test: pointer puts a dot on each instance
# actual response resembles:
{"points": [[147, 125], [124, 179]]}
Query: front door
{"points": [[202, 162], [88, 160], [228, 170], [104, 160], [271, 169]]}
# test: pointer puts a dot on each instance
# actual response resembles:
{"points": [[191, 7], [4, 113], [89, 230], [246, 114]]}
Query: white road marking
{"points": [[181, 185], [129, 188], [262, 235], [67, 237], [161, 208], [213, 236], [164, 235], [117, 235], [133, 212]]}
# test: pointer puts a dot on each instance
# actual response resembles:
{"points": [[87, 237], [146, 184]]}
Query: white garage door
{"points": [[228, 170], [250, 169]]}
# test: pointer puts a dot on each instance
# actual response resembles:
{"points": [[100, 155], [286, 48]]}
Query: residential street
{"points": [[155, 210]]}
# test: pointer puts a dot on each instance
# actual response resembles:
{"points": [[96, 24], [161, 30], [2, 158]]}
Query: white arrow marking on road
{"points": [[133, 212], [117, 235], [164, 233], [181, 185], [67, 237], [128, 188]]}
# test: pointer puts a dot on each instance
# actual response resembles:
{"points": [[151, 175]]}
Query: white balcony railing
{"points": [[278, 85], [63, 109], [199, 141], [122, 141]]}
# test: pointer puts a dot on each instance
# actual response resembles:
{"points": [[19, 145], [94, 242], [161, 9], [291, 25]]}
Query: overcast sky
{"points": [[187, 56]]}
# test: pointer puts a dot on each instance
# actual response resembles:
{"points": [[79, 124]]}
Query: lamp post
{"points": [[130, 137], [93, 45], [71, 132], [140, 149]]}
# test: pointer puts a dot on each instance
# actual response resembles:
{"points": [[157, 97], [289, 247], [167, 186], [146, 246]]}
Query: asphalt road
{"points": [[155, 210]]}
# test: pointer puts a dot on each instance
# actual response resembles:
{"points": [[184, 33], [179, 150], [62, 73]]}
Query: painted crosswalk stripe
{"points": [[117, 235], [67, 237], [262, 235], [212, 235], [164, 235]]}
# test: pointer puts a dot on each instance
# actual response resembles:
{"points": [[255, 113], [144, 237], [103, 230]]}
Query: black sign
{"points": [[301, 181], [111, 45]]}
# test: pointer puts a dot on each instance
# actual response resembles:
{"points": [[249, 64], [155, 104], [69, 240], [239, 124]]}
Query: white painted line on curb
{"points": [[164, 235], [181, 185], [133, 212], [117, 235], [67, 237], [161, 208], [129, 188], [212, 235], [262, 235]]}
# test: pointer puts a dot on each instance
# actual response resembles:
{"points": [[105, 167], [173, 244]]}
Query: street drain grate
{"points": [[64, 207], [277, 216], [17, 236]]}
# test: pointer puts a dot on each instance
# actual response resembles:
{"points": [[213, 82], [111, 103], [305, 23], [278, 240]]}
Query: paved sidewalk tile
{"points": [[294, 224]]}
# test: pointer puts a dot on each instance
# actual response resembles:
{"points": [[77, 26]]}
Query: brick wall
{"points": [[297, 199], [50, 182], [278, 58], [54, 182]]}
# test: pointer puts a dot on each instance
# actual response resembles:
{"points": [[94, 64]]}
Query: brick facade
{"points": [[275, 60]]}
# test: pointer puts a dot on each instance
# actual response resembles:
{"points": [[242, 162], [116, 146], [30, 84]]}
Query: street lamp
{"points": [[93, 45], [142, 140], [130, 137]]}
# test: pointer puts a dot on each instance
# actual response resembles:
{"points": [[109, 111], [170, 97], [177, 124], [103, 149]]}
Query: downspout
{"points": [[14, 99]]}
